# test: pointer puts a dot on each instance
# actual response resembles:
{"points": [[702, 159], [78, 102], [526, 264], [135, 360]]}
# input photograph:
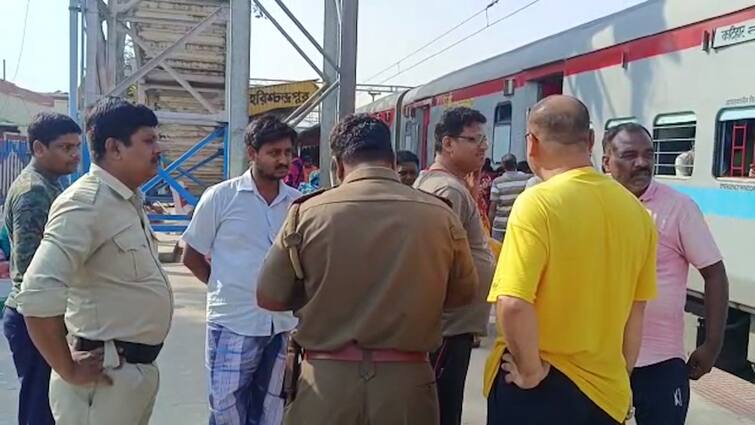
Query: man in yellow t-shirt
{"points": [[577, 265]]}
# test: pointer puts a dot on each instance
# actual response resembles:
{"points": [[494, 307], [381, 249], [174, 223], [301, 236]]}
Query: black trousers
{"points": [[451, 362], [557, 400], [661, 393]]}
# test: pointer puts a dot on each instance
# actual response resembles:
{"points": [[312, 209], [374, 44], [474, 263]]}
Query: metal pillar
{"points": [[73, 62], [237, 84], [340, 31], [329, 108], [92, 88], [348, 57]]}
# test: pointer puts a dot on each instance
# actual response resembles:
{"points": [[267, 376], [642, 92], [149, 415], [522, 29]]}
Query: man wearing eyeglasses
{"points": [[460, 147]]}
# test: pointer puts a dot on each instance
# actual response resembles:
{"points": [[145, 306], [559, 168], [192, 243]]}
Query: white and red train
{"points": [[682, 68]]}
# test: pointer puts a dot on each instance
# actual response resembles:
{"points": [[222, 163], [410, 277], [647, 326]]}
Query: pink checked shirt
{"points": [[683, 239]]}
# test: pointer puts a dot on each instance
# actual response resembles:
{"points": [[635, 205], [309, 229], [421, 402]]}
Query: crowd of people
{"points": [[361, 304]]}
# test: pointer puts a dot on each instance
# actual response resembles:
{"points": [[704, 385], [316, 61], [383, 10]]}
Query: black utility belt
{"points": [[132, 352]]}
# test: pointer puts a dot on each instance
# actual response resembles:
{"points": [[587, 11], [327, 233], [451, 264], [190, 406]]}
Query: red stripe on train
{"points": [[674, 40]]}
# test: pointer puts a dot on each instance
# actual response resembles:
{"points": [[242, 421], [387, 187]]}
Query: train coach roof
{"points": [[382, 104], [639, 21]]}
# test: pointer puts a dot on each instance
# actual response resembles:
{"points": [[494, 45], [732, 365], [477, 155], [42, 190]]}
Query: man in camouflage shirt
{"points": [[55, 144]]}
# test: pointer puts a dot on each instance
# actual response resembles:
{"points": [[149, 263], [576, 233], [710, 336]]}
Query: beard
{"points": [[272, 173]]}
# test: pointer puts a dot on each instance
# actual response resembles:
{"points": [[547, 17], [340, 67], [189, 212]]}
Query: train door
{"points": [[550, 85], [410, 136], [423, 119], [501, 131]]}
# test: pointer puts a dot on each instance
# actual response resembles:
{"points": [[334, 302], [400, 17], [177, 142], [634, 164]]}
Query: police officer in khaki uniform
{"points": [[97, 265], [368, 268]]}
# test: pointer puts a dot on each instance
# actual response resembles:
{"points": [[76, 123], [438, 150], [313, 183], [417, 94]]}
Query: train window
{"points": [[501, 131], [735, 150], [674, 144], [618, 121]]}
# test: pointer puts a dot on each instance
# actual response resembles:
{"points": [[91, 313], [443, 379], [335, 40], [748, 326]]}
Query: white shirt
{"points": [[235, 227]]}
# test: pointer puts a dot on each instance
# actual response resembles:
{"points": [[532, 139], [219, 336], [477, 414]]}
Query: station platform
{"points": [[719, 398]]}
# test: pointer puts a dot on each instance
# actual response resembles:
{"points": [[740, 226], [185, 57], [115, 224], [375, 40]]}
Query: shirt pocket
{"points": [[134, 260]]}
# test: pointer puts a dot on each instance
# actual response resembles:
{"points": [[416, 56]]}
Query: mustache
{"points": [[642, 171]]}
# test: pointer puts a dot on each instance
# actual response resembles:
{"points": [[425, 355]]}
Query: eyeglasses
{"points": [[479, 140]]}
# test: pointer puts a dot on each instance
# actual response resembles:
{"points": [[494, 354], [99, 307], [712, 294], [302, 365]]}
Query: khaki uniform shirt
{"points": [[380, 261], [98, 264], [474, 317]]}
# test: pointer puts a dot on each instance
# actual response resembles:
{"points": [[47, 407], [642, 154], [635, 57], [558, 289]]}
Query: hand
{"points": [[630, 412], [525, 382], [701, 360], [87, 369]]}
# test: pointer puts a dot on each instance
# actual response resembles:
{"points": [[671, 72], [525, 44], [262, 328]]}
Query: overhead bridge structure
{"points": [[189, 60]]}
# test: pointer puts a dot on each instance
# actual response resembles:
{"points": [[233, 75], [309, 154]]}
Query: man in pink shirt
{"points": [[660, 380]]}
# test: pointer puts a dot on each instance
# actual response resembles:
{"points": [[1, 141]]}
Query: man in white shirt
{"points": [[234, 224]]}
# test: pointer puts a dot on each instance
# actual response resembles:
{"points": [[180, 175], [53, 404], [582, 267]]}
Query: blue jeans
{"points": [[32, 370]]}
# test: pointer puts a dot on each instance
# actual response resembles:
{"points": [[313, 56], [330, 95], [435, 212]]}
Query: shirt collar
{"points": [[372, 173], [649, 192], [121, 189], [247, 184], [34, 165]]}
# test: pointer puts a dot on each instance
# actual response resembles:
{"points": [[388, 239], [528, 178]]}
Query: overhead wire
{"points": [[431, 42], [23, 41], [456, 43], [18, 61]]}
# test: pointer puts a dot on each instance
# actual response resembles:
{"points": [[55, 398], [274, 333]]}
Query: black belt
{"points": [[133, 352]]}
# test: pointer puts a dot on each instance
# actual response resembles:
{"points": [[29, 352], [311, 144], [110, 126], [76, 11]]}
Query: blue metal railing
{"points": [[175, 223], [14, 155]]}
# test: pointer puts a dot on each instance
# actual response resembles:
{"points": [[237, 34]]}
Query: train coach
{"points": [[679, 67]]}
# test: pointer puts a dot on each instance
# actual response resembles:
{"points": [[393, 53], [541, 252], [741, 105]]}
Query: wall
{"points": [[19, 105]]}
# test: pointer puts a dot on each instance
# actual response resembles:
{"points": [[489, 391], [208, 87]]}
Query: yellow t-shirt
{"points": [[580, 248]]}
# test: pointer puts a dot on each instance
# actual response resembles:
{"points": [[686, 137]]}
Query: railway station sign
{"points": [[279, 96], [734, 34]]}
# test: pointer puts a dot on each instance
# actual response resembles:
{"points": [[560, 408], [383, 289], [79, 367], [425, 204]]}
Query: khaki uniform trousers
{"points": [[129, 401], [364, 393]]}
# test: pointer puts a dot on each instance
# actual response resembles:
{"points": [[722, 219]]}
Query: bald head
{"points": [[561, 119]]}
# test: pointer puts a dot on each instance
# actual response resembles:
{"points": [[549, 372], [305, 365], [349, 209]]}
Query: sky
{"points": [[388, 31]]}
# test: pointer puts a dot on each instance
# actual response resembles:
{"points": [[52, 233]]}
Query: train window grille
{"points": [[674, 144], [735, 150], [501, 131]]}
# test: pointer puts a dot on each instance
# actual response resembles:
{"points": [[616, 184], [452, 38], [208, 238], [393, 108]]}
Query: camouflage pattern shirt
{"points": [[26, 208]]}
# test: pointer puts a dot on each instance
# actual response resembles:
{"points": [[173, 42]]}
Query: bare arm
{"points": [[701, 361], [49, 336], [716, 303], [196, 263], [519, 321], [491, 213], [633, 334]]}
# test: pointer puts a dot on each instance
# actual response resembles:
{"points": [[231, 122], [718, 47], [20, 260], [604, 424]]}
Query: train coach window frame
{"points": [[674, 144], [501, 120], [735, 125], [614, 122]]}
